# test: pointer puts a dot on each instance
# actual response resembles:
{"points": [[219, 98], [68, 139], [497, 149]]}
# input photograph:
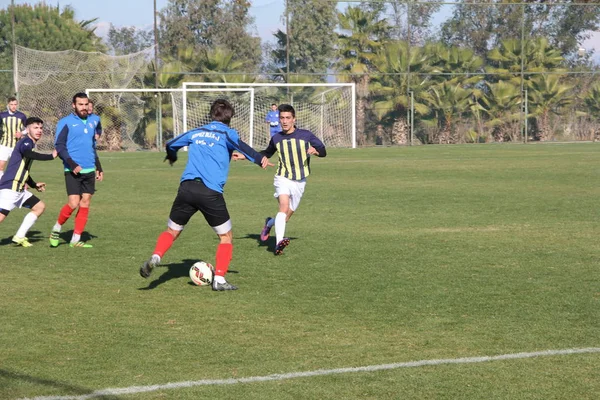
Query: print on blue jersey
{"points": [[75, 143], [209, 153]]}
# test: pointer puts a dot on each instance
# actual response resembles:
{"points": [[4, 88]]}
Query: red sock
{"points": [[80, 220], [223, 258], [164, 242], [64, 215]]}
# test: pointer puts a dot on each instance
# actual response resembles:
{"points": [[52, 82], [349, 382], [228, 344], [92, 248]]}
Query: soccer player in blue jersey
{"points": [[12, 123], [272, 119], [294, 146], [13, 193], [201, 189], [76, 145], [94, 119]]}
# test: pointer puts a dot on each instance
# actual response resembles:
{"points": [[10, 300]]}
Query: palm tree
{"points": [[501, 104], [447, 100], [367, 32], [457, 68], [547, 95], [214, 65], [592, 101], [391, 88], [170, 74], [462, 62], [508, 60]]}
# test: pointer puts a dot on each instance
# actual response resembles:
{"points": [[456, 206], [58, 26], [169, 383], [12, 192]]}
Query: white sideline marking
{"points": [[319, 372]]}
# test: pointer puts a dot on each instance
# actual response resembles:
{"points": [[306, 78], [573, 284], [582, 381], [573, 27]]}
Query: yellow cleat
{"points": [[21, 241]]}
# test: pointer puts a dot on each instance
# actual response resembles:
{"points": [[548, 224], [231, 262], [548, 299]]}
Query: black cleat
{"points": [[281, 245], [147, 267], [219, 287]]}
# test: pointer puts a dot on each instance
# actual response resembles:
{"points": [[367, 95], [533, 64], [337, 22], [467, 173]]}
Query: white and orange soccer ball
{"points": [[201, 273]]}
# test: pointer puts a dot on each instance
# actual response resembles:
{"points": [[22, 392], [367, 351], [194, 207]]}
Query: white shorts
{"points": [[294, 189], [9, 199], [5, 152]]}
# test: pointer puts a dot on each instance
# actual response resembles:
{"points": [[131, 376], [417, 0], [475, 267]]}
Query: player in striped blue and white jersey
{"points": [[13, 193], [295, 148]]}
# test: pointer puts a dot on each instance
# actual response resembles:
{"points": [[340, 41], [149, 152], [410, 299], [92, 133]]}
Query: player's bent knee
{"points": [[226, 238], [85, 202], [223, 229], [174, 228], [39, 208]]}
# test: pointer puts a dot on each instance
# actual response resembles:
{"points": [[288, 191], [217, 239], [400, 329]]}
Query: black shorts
{"points": [[80, 183], [194, 196], [31, 202]]}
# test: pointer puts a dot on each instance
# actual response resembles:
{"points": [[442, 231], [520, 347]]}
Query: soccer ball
{"points": [[202, 273]]}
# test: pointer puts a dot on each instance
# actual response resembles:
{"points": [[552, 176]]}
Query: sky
{"points": [[139, 13]]}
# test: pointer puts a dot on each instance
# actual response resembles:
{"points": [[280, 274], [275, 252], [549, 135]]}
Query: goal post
{"points": [[327, 109], [126, 115]]}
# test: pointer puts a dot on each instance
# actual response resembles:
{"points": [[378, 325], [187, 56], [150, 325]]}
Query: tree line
{"points": [[468, 79]]}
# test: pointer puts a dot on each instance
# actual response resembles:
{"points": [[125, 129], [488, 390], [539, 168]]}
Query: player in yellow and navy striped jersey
{"points": [[12, 123], [13, 193], [295, 148]]}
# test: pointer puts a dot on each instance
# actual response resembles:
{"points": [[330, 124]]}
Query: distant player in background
{"points": [[294, 146], [76, 145], [272, 119], [201, 188], [13, 193], [94, 119], [12, 124]]}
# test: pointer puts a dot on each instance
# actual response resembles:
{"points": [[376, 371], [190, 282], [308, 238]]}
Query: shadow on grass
{"points": [[66, 237], [33, 236], [174, 271], [37, 236], [269, 244], [15, 376]]}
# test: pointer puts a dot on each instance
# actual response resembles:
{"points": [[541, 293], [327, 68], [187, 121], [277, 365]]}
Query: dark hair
{"points": [[287, 108], [79, 95], [11, 98], [221, 110], [274, 104], [90, 101], [33, 120]]}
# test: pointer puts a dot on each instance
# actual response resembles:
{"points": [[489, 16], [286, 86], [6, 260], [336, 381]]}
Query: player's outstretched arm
{"points": [[39, 186], [250, 154], [174, 145], [237, 156], [34, 155], [264, 163]]}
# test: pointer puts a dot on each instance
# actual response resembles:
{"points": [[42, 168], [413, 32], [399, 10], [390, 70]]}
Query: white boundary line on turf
{"points": [[319, 372]]}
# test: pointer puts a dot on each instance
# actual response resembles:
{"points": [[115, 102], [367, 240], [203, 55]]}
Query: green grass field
{"points": [[397, 255]]}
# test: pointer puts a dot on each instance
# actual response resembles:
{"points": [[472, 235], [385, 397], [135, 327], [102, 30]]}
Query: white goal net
{"points": [[146, 118], [326, 109], [47, 80]]}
